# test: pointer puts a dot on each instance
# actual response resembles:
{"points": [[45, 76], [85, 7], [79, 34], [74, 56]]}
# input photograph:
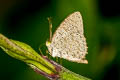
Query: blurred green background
{"points": [[26, 21]]}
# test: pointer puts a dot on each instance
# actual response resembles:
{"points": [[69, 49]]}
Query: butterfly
{"points": [[68, 41]]}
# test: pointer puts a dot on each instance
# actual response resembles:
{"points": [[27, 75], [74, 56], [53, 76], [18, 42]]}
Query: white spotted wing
{"points": [[68, 41]]}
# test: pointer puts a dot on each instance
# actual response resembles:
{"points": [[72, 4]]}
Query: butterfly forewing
{"points": [[68, 41]]}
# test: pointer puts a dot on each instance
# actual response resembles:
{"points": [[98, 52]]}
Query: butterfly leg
{"points": [[56, 59], [47, 54], [60, 61], [40, 49]]}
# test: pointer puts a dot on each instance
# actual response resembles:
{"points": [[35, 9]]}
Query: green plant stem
{"points": [[41, 64], [69, 75]]}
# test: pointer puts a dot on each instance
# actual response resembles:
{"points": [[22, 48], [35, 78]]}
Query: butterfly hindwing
{"points": [[68, 41]]}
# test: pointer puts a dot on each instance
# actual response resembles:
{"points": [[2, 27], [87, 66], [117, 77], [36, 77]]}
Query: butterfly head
{"points": [[48, 43]]}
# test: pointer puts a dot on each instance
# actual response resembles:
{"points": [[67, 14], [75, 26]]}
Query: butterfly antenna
{"points": [[50, 27]]}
